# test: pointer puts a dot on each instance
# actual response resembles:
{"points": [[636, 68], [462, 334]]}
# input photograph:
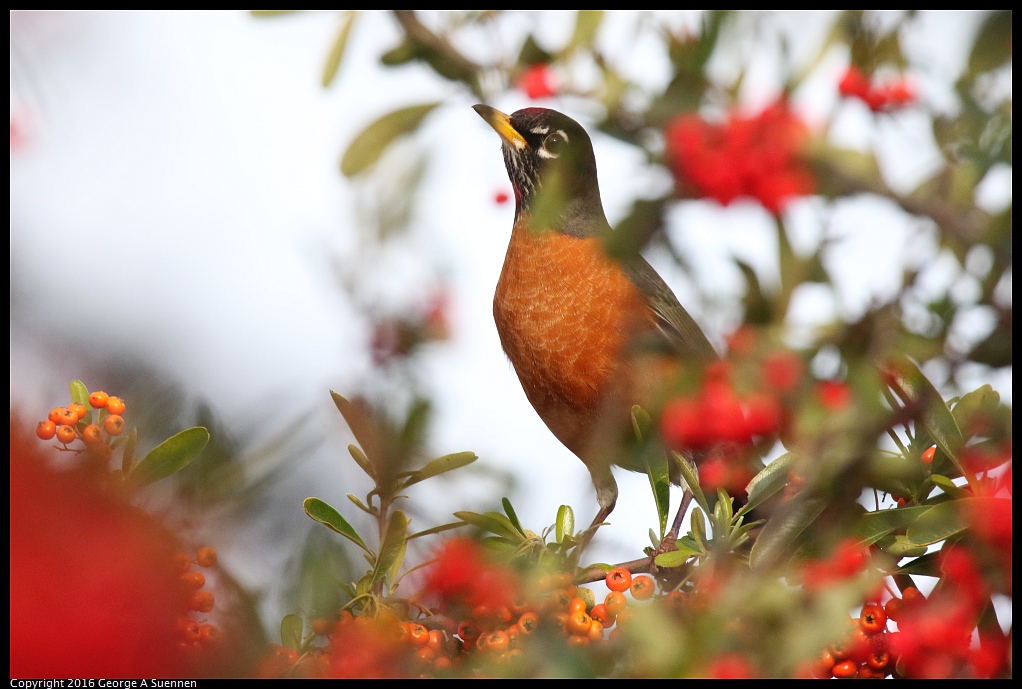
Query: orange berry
{"points": [[201, 601], [578, 623], [209, 634], [115, 405], [596, 631], [425, 655], [98, 400], [417, 635], [928, 453], [497, 641], [191, 630], [911, 597], [193, 580], [642, 587], [56, 414], [600, 614], [182, 562], [206, 557], [845, 668], [441, 663], [79, 410], [46, 430], [615, 602], [469, 630], [619, 579], [66, 434], [527, 623], [576, 605], [66, 417], [437, 640], [92, 435], [113, 424], [576, 640]]}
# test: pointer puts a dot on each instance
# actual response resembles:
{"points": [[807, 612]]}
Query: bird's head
{"points": [[550, 161]]}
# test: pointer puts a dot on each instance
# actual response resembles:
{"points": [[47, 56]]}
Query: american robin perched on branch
{"points": [[576, 324]]}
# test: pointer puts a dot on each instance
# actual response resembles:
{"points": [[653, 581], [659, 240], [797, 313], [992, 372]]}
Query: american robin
{"points": [[576, 324]]}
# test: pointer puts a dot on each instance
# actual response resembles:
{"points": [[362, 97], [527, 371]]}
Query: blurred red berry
{"points": [[537, 82], [500, 198], [834, 395]]}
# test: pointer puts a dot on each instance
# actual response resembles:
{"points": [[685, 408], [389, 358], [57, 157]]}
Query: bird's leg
{"points": [[606, 497]]}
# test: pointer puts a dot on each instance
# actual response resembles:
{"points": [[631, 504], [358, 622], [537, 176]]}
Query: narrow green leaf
{"points": [[128, 456], [642, 424], [510, 512], [587, 24], [360, 458], [654, 539], [781, 531], [361, 505], [688, 473], [698, 526], [325, 514], [660, 481], [291, 632], [676, 558], [437, 529], [80, 393], [949, 487], [934, 414], [170, 456], [362, 426], [440, 465], [392, 548], [494, 522], [333, 60], [771, 479], [565, 524], [873, 526], [367, 147], [938, 523]]}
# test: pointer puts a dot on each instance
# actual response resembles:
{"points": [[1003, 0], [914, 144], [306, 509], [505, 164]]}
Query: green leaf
{"points": [[493, 522], [170, 456], [439, 466], [565, 524], [688, 472], [771, 479], [80, 394], [360, 458], [437, 529], [875, 525], [660, 481], [974, 409], [899, 546], [128, 455], [333, 60], [934, 414], [392, 548], [642, 424], [949, 487], [362, 427], [676, 558], [992, 46], [510, 511], [361, 505], [698, 526], [325, 514], [779, 534], [291, 632], [367, 147], [587, 24], [938, 523]]}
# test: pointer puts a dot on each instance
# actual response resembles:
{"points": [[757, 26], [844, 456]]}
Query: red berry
{"points": [[201, 601], [193, 580], [928, 454], [844, 669], [537, 82], [873, 619]]}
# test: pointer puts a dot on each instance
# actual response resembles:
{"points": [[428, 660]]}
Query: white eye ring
{"points": [[562, 140]]}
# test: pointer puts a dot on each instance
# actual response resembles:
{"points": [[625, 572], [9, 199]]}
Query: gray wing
{"points": [[681, 332]]}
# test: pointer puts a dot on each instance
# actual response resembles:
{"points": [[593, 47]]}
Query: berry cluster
{"points": [[754, 156], [195, 633], [95, 425], [894, 94]]}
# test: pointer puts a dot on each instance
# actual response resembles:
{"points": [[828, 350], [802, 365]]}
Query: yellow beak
{"points": [[501, 124]]}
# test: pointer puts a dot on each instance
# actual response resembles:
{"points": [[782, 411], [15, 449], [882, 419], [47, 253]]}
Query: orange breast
{"points": [[565, 313]]}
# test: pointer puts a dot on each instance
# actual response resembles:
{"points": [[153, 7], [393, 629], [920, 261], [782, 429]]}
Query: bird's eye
{"points": [[555, 143]]}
